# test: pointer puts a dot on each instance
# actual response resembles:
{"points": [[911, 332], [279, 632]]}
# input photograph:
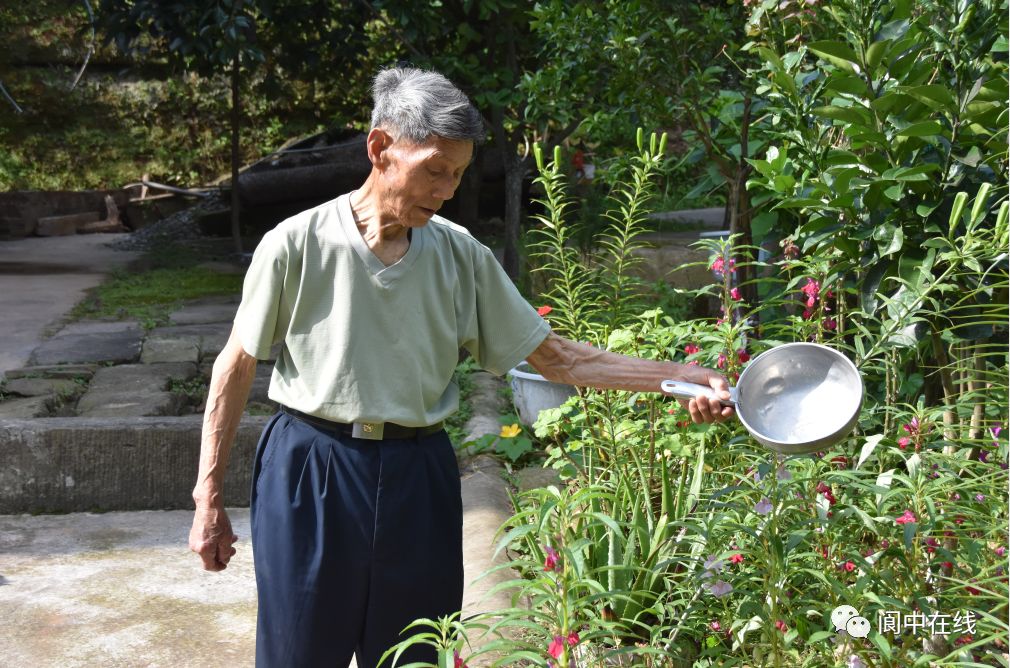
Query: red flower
{"points": [[573, 639], [826, 491], [544, 310], [721, 362], [691, 349], [948, 565], [735, 295], [551, 560], [556, 647], [457, 660], [849, 566], [742, 356], [830, 324], [736, 558], [841, 461], [907, 518]]}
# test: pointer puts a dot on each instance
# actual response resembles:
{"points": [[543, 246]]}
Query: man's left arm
{"points": [[563, 361]]}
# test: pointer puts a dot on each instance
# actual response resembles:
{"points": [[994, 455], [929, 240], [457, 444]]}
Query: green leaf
{"points": [[871, 443], [837, 53], [844, 114], [922, 129], [934, 96], [874, 53]]}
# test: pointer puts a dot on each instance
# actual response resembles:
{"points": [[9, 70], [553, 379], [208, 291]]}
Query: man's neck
{"points": [[384, 235]]}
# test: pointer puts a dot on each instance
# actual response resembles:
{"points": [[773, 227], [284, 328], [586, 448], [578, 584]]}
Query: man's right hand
{"points": [[212, 538]]}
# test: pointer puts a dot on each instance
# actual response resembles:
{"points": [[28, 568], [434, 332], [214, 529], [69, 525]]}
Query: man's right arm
{"points": [[211, 536]]}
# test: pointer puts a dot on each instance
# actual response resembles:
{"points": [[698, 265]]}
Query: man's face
{"points": [[419, 178]]}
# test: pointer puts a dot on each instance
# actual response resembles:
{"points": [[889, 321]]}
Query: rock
{"points": [[135, 390], [55, 226], [84, 327], [204, 312], [536, 477], [211, 337], [41, 387], [161, 350], [120, 347], [68, 371], [24, 408]]}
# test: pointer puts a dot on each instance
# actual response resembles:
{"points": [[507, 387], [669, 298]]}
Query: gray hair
{"points": [[414, 104]]}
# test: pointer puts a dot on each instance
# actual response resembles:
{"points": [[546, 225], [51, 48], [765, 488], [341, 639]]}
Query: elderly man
{"points": [[356, 512]]}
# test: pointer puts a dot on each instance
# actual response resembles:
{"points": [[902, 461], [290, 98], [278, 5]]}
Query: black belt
{"points": [[374, 431]]}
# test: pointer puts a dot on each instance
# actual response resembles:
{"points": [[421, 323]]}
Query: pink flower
{"points": [[736, 558], [691, 349], [903, 442], [932, 544], [1000, 551], [781, 626], [544, 310], [718, 265], [573, 639], [715, 625], [551, 560], [907, 518], [556, 647], [848, 566], [735, 295], [830, 324], [721, 362]]}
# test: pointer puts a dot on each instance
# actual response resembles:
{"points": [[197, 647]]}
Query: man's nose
{"points": [[445, 188]]}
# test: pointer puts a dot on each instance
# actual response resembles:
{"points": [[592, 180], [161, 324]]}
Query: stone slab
{"points": [[118, 347], [62, 465], [536, 477], [488, 406], [135, 390], [56, 226], [40, 387], [261, 383], [88, 327], [67, 371], [212, 337], [164, 349], [206, 312], [24, 408]]}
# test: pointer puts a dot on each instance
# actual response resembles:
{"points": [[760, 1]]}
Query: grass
{"points": [[152, 295], [151, 288]]}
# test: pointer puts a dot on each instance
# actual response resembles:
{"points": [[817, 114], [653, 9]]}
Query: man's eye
{"points": [[435, 172]]}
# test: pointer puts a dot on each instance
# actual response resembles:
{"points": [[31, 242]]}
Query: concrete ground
{"points": [[41, 279], [122, 589]]}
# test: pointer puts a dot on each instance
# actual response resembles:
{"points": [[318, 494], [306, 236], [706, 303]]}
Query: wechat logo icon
{"points": [[846, 618]]}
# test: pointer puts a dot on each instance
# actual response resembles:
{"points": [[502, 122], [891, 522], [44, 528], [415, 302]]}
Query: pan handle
{"points": [[683, 390]]}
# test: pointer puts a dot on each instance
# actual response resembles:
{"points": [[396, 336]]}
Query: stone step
{"points": [[135, 390], [66, 371], [55, 226]]}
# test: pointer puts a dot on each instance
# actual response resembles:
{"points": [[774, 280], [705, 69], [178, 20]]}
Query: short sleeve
{"points": [[261, 320], [508, 328]]}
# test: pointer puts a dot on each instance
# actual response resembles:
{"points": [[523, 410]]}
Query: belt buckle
{"points": [[371, 431]]}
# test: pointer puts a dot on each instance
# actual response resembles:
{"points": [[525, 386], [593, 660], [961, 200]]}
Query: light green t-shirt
{"points": [[363, 342]]}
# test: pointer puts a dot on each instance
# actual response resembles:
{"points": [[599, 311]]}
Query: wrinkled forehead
{"points": [[457, 152]]}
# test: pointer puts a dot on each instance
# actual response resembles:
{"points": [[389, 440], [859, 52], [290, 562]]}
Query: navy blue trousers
{"points": [[352, 541]]}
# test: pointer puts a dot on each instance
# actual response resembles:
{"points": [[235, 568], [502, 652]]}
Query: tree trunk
{"points": [[515, 170], [468, 204], [236, 231]]}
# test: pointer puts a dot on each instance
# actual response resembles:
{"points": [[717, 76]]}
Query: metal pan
{"points": [[794, 399]]}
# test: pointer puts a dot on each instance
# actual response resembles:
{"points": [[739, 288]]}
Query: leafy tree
{"points": [[210, 38]]}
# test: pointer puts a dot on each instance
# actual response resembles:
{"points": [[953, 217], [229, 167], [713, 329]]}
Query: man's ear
{"points": [[377, 144]]}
